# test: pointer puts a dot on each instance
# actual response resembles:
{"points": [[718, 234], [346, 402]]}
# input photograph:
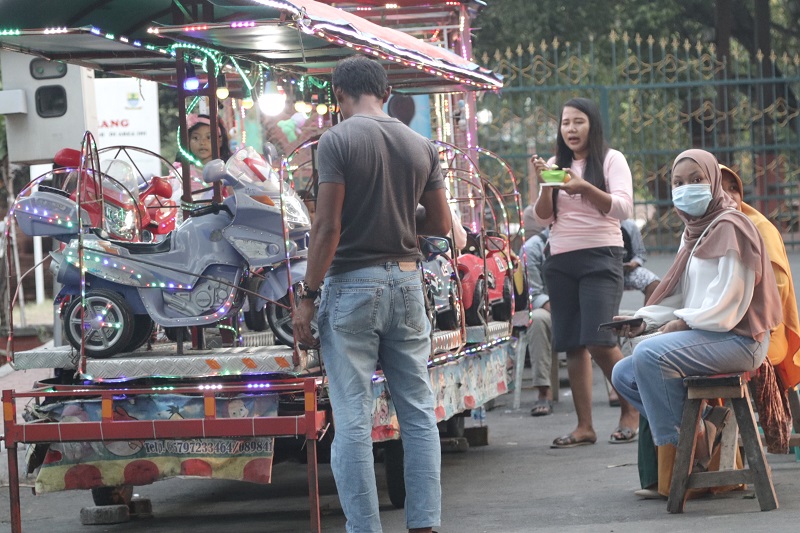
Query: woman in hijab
{"points": [[712, 312]]}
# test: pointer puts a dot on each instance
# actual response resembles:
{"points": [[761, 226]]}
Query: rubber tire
{"points": [[453, 427], [172, 334], [143, 327], [430, 309], [502, 311], [476, 315], [255, 320], [121, 495], [395, 479], [122, 335], [280, 321], [450, 319]]}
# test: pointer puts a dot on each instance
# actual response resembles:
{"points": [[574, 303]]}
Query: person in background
{"points": [[784, 340], [373, 171], [712, 312], [539, 332], [584, 268], [637, 277]]}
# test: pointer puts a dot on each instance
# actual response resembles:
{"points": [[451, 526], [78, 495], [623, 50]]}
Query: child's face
{"points": [[200, 143]]}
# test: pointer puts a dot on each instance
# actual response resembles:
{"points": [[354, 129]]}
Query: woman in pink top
{"points": [[583, 272]]}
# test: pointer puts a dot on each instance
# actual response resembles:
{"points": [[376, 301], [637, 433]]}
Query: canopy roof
{"points": [[141, 38]]}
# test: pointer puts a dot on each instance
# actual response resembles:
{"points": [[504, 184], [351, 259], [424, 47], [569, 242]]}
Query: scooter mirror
{"points": [[270, 153], [160, 187], [214, 171], [433, 246]]}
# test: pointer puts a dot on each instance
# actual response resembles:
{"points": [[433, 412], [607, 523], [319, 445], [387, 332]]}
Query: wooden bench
{"points": [[733, 389]]}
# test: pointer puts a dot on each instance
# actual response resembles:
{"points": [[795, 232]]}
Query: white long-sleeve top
{"points": [[713, 295]]}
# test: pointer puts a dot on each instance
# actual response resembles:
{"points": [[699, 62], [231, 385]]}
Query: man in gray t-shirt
{"points": [[386, 166], [373, 171]]}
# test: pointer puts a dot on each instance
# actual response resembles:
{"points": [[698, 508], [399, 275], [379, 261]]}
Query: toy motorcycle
{"points": [[441, 291], [492, 285], [112, 203], [194, 277]]}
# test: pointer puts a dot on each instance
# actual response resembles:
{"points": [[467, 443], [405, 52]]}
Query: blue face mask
{"points": [[692, 199]]}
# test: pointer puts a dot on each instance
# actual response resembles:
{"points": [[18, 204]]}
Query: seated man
{"points": [[636, 276], [538, 333]]}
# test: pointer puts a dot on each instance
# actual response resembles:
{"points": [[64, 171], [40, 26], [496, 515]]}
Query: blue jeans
{"points": [[652, 378], [368, 316]]}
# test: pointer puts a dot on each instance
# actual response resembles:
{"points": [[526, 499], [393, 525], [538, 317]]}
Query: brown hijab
{"points": [[733, 232]]}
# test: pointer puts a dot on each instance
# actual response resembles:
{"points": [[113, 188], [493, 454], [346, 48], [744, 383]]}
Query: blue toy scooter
{"points": [[194, 277]]}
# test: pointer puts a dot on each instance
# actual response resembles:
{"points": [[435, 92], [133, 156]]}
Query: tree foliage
{"points": [[507, 23]]}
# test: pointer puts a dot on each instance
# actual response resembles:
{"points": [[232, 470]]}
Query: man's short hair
{"points": [[358, 75]]}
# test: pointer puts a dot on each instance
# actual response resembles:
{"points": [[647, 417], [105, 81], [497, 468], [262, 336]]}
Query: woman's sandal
{"points": [[621, 435], [542, 408], [571, 441]]}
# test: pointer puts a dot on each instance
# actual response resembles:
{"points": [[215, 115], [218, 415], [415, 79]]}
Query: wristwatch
{"points": [[306, 293]]}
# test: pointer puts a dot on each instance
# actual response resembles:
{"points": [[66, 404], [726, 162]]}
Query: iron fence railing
{"points": [[658, 97]]}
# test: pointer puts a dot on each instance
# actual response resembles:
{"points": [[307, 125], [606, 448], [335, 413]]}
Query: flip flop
{"points": [[628, 435], [571, 441], [542, 408]]}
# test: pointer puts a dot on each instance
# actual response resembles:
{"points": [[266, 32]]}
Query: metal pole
{"points": [[310, 394], [9, 420], [12, 228]]}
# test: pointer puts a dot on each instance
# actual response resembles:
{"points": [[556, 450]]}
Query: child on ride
{"points": [[199, 129]]}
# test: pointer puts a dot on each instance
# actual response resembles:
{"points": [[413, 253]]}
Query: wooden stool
{"points": [[733, 388]]}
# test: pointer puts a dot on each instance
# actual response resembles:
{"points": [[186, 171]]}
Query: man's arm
{"points": [[637, 244], [325, 232], [324, 239], [437, 219]]}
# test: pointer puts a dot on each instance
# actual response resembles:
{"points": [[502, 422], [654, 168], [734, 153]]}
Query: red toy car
{"points": [[492, 285]]}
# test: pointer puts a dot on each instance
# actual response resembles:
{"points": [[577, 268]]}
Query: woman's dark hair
{"points": [[598, 148], [357, 75]]}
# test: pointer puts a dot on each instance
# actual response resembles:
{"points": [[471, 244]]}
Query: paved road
{"points": [[516, 484]]}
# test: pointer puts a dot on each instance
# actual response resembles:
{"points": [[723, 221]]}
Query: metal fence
{"points": [[658, 97]]}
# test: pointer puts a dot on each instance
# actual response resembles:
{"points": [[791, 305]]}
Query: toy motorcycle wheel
{"points": [[450, 319], [254, 320], [476, 314], [430, 308], [502, 311], [143, 327], [280, 321], [393, 462], [108, 323]]}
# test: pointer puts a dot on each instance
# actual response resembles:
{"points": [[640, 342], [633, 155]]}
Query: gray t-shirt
{"points": [[385, 167]]}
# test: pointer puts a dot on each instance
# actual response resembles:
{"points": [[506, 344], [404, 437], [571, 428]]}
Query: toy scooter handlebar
{"points": [[212, 209], [214, 171]]}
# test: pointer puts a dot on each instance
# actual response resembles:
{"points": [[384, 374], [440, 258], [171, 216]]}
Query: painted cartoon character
{"points": [[237, 409], [471, 388], [123, 448], [71, 451], [440, 387], [383, 427]]}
